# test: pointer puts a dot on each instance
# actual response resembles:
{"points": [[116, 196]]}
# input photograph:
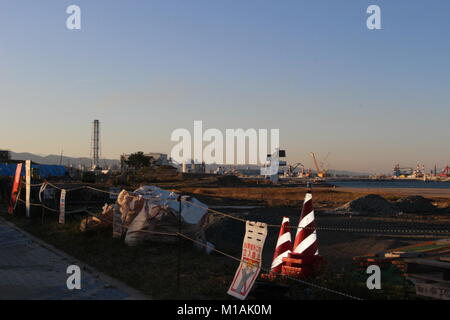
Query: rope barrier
{"points": [[127, 227], [206, 246], [359, 230], [229, 256], [48, 208], [230, 216], [267, 270]]}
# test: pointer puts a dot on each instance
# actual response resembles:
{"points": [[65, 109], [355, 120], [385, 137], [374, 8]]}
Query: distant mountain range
{"points": [[64, 160]]}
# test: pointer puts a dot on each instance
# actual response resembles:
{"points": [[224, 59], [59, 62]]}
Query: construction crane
{"points": [[445, 172], [321, 171]]}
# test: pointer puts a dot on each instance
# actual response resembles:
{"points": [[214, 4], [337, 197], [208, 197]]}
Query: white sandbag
{"points": [[192, 210]]}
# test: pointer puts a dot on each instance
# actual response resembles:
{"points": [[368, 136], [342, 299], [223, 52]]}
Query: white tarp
{"points": [[192, 210], [151, 213]]}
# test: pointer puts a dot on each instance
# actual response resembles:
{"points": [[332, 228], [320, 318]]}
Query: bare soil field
{"points": [[152, 267], [340, 237]]}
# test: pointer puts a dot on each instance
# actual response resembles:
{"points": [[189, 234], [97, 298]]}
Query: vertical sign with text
{"points": [[246, 274], [62, 207]]}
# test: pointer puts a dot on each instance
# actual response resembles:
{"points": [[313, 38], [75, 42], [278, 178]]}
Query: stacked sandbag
{"points": [[151, 213], [164, 222], [104, 221]]}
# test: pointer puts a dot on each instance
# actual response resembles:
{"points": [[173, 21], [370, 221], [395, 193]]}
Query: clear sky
{"points": [[372, 98]]}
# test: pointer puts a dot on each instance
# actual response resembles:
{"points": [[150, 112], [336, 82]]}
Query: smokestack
{"points": [[95, 144]]}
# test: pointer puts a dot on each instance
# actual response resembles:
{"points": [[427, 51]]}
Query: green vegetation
{"points": [[138, 160]]}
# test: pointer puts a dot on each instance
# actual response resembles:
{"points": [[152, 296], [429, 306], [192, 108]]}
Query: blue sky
{"points": [[310, 68]]}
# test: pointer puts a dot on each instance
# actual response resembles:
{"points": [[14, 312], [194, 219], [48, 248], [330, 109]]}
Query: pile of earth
{"points": [[227, 234], [371, 204], [230, 181], [416, 204]]}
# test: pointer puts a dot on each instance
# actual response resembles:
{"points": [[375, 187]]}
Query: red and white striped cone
{"points": [[304, 260], [283, 248], [306, 238]]}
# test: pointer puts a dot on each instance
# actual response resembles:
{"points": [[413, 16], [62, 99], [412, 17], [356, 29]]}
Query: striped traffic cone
{"points": [[304, 260], [306, 238], [283, 248]]}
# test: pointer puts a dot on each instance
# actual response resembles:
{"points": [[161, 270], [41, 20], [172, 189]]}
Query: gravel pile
{"points": [[416, 204], [371, 204]]}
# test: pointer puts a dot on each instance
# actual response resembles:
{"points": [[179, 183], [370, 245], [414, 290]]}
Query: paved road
{"points": [[30, 269]]}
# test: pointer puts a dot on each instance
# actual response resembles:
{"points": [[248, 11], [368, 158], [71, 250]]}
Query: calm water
{"points": [[393, 184]]}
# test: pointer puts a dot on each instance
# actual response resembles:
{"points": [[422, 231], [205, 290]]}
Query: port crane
{"points": [[321, 170], [445, 172]]}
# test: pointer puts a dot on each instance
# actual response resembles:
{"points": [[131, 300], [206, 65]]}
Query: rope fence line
{"points": [[268, 270], [277, 226], [127, 227], [363, 230], [45, 207], [231, 257], [307, 283], [80, 188], [206, 246]]}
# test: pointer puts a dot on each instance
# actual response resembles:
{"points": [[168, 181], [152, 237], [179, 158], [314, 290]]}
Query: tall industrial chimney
{"points": [[95, 144]]}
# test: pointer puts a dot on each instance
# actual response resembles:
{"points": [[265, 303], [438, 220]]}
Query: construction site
{"points": [[225, 159], [404, 231]]}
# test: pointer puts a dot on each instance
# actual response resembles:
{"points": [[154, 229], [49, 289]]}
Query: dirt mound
{"points": [[416, 204], [371, 204], [229, 181]]}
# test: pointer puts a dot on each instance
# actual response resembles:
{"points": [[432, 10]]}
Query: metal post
{"points": [[179, 245]]}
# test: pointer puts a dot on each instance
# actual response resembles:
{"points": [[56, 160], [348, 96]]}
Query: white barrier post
{"points": [[27, 186]]}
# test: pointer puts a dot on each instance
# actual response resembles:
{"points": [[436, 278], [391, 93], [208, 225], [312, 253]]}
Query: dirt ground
{"points": [[339, 247], [339, 236]]}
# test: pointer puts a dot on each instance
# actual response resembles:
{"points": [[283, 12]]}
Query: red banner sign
{"points": [[15, 189]]}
